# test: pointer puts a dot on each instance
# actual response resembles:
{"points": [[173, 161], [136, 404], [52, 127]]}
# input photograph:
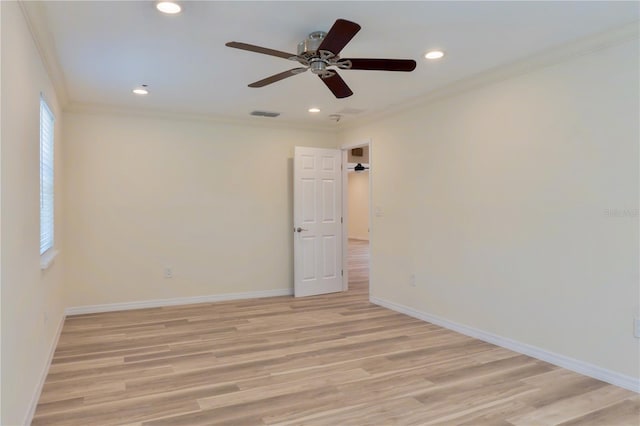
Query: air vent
{"points": [[265, 114]]}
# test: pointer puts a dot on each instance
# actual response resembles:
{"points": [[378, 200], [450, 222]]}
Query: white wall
{"points": [[503, 223], [0, 222], [213, 201], [500, 211], [28, 294], [358, 205]]}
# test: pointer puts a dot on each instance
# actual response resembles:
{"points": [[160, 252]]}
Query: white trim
{"points": [[617, 379], [361, 144], [47, 258], [136, 305], [345, 207], [43, 376], [371, 224], [41, 35], [157, 303], [345, 220], [546, 58], [155, 113]]}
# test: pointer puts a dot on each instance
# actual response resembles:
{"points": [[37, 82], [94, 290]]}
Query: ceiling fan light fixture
{"points": [[314, 110], [434, 54], [168, 7]]}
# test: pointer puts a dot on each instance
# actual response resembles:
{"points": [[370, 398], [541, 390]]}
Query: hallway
{"points": [[358, 266]]}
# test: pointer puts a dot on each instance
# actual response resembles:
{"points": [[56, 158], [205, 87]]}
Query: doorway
{"points": [[357, 217]]}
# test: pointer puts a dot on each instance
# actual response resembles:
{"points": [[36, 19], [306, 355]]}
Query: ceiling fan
{"points": [[320, 51]]}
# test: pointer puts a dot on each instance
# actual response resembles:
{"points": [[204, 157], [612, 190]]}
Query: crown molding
{"points": [[258, 122], [524, 66], [34, 16]]}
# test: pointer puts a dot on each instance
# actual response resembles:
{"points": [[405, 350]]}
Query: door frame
{"points": [[345, 208]]}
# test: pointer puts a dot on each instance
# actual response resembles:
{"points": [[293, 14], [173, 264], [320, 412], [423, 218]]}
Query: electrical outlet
{"points": [[412, 280], [168, 272]]}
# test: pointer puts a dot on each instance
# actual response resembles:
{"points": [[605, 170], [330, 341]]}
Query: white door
{"points": [[317, 227]]}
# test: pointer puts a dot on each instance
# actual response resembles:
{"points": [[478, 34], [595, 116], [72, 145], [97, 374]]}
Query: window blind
{"points": [[46, 178]]}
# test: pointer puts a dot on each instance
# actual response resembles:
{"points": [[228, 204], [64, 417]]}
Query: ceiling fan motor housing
{"points": [[308, 47], [316, 60]]}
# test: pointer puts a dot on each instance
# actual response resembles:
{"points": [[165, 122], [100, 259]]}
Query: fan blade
{"points": [[336, 84], [381, 64], [258, 49], [277, 77], [339, 35]]}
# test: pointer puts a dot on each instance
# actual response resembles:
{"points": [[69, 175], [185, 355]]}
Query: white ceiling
{"points": [[106, 48]]}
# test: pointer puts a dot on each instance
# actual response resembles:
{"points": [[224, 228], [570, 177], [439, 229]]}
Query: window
{"points": [[46, 178]]}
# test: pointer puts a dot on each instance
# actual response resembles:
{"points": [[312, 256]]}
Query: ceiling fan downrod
{"points": [[308, 47]]}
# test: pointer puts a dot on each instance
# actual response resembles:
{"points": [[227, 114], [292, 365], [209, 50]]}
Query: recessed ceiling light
{"points": [[314, 109], [169, 7], [142, 90], [434, 54]]}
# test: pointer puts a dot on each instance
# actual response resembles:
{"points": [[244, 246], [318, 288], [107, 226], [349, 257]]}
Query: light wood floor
{"points": [[325, 360]]}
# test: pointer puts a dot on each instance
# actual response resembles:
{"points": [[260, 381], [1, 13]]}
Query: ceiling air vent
{"points": [[265, 114]]}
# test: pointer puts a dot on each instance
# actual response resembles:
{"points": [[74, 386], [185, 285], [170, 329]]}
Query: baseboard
{"points": [[43, 376], [136, 305], [157, 303], [612, 377]]}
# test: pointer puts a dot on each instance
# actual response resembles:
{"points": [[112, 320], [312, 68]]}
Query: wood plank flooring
{"points": [[323, 360]]}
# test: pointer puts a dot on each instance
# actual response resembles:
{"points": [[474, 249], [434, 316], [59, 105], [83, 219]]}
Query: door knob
{"points": [[298, 229]]}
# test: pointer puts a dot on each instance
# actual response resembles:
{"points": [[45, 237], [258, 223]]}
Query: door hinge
{"points": [[341, 220], [342, 272]]}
